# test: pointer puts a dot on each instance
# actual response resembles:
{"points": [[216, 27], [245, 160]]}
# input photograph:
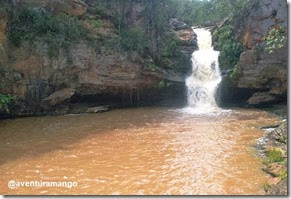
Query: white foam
{"points": [[205, 78]]}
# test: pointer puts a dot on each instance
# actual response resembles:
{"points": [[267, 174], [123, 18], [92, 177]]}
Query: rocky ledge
{"points": [[261, 77], [274, 147]]}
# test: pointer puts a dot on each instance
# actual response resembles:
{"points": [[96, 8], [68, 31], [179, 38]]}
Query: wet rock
{"points": [[99, 109], [178, 25], [280, 134], [187, 37], [261, 97], [61, 110], [276, 139], [77, 108], [209, 23], [280, 188], [274, 169], [273, 181], [59, 97]]}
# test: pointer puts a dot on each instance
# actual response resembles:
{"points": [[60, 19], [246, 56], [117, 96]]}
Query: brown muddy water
{"points": [[135, 151]]}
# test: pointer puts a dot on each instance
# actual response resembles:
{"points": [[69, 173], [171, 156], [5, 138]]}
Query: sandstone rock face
{"points": [[257, 69], [93, 75], [186, 35], [265, 15], [85, 73]]}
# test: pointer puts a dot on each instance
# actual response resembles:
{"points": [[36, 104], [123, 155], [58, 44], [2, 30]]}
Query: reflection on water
{"points": [[135, 151]]}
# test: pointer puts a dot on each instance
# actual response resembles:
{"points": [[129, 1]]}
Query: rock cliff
{"points": [[261, 76], [87, 72]]}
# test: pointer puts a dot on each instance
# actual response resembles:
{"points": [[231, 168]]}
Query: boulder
{"points": [[98, 109], [178, 25], [261, 97], [59, 97], [188, 38], [275, 169]]}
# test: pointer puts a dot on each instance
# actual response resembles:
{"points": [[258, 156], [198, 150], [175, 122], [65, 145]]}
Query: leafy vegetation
{"points": [[134, 40], [164, 84], [230, 48], [152, 39], [200, 13], [284, 175], [5, 7], [274, 155], [94, 21], [152, 67], [276, 38], [171, 47], [5, 100], [58, 31]]}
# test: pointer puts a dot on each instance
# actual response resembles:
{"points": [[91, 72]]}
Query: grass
{"points": [[274, 155], [283, 175]]}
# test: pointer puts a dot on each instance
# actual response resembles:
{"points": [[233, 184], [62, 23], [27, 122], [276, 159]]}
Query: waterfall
{"points": [[205, 78]]}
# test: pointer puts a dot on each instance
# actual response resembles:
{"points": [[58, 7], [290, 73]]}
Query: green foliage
{"points": [[162, 84], [152, 67], [274, 155], [134, 40], [233, 73], [94, 21], [5, 100], [197, 12], [230, 48], [5, 6], [284, 175], [171, 48], [28, 24], [266, 187], [276, 39]]}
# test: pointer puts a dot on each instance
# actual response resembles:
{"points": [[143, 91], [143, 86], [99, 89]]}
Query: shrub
{"points": [[276, 39], [94, 21], [5, 100], [171, 47], [5, 6], [274, 156], [162, 84], [152, 67], [233, 72], [230, 47], [134, 40], [283, 175]]}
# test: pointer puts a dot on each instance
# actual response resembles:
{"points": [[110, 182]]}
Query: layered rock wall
{"points": [[86, 73], [262, 73]]}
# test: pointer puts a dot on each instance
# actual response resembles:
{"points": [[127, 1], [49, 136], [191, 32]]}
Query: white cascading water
{"points": [[205, 78]]}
